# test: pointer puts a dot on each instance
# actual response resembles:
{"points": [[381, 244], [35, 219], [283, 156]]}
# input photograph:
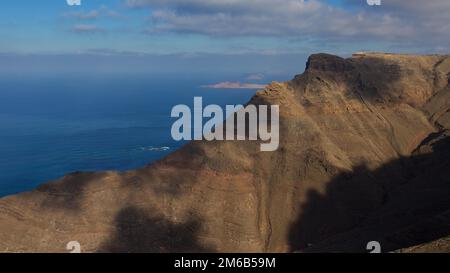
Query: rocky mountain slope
{"points": [[364, 155]]}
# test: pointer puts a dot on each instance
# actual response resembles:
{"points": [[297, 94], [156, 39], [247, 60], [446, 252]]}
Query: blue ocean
{"points": [[53, 125]]}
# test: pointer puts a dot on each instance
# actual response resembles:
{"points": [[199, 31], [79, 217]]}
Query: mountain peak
{"points": [[327, 62]]}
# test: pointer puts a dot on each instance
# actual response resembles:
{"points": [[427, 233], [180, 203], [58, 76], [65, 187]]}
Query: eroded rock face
{"points": [[363, 156]]}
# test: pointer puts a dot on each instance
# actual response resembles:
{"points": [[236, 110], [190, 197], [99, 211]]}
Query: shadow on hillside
{"points": [[401, 204], [68, 191], [140, 230]]}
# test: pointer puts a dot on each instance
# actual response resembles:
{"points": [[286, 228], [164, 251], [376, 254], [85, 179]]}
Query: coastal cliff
{"points": [[363, 156]]}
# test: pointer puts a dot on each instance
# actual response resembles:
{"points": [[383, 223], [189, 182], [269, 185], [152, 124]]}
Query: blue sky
{"points": [[215, 28], [51, 26]]}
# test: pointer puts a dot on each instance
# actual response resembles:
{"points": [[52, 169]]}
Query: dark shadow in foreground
{"points": [[401, 204], [141, 230]]}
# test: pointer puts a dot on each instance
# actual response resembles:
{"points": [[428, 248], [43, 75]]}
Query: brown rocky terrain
{"points": [[364, 155]]}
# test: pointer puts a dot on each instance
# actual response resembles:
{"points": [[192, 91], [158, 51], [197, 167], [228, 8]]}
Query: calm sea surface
{"points": [[50, 126]]}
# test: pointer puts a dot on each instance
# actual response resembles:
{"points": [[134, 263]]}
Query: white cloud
{"points": [[93, 14], [103, 11], [412, 22], [86, 28]]}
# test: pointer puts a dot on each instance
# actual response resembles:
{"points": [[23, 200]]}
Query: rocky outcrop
{"points": [[363, 156]]}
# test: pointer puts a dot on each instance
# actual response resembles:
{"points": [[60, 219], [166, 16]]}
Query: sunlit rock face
{"points": [[363, 156]]}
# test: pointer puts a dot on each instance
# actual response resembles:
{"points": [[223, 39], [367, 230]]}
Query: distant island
{"points": [[235, 85]]}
